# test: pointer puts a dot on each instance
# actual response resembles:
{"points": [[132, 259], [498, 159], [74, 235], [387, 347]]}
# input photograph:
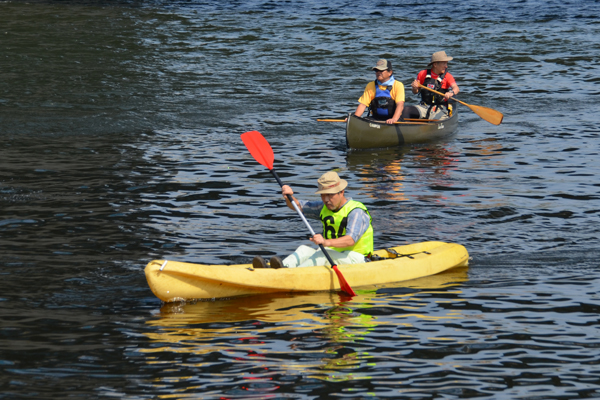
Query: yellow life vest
{"points": [[334, 226]]}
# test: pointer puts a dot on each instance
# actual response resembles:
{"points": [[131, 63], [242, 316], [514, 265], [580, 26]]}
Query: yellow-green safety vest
{"points": [[334, 226]]}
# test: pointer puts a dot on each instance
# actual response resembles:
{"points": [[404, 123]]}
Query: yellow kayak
{"points": [[177, 281]]}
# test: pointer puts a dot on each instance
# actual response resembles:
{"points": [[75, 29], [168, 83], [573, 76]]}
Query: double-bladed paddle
{"points": [[262, 152], [489, 114]]}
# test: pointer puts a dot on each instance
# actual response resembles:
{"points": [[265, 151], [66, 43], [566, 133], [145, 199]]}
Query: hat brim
{"points": [[447, 59], [378, 69], [343, 184]]}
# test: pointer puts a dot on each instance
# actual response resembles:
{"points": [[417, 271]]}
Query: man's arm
{"points": [[360, 110], [365, 99], [453, 91], [397, 113], [453, 87], [358, 223], [399, 99], [415, 88], [286, 190]]}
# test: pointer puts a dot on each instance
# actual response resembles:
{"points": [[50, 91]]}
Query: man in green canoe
{"points": [[435, 77], [347, 227], [384, 96]]}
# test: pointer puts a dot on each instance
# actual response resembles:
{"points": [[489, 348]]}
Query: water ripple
{"points": [[121, 129]]}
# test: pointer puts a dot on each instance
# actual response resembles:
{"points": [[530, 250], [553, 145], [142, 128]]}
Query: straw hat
{"points": [[330, 183], [439, 56]]}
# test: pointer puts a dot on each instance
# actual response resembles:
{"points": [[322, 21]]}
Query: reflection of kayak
{"points": [[286, 307], [192, 322], [206, 327], [184, 281], [366, 133]]}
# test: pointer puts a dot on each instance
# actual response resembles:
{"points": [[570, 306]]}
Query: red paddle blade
{"points": [[263, 153], [259, 148], [343, 284]]}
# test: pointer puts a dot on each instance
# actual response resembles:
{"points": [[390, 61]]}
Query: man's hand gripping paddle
{"points": [[489, 114], [262, 152]]}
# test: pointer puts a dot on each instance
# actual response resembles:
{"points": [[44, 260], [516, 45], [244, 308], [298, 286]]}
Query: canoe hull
{"points": [[179, 281], [365, 133]]}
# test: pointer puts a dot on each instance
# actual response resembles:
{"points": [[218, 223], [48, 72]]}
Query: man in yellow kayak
{"points": [[347, 227]]}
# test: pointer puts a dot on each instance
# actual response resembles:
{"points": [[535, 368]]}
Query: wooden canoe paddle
{"points": [[262, 152], [421, 121], [489, 114]]}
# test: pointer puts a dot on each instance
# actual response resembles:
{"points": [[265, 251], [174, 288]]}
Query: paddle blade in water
{"points": [[489, 114], [343, 284], [259, 148]]}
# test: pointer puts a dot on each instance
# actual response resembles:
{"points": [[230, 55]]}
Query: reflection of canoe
{"points": [[185, 281], [366, 133]]}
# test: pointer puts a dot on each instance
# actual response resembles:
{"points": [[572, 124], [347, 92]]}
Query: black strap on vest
{"points": [[391, 106], [436, 100], [437, 83]]}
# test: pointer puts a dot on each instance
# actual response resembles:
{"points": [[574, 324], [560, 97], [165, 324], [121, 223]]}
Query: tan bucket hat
{"points": [[330, 183], [440, 56]]}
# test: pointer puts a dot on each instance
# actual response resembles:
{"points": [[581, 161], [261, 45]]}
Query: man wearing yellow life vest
{"points": [[347, 227]]}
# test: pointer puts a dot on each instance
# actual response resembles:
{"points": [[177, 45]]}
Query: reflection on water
{"points": [[263, 339], [383, 173], [379, 172]]}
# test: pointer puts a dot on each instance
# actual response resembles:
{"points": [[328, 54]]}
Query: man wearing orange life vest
{"points": [[435, 77]]}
